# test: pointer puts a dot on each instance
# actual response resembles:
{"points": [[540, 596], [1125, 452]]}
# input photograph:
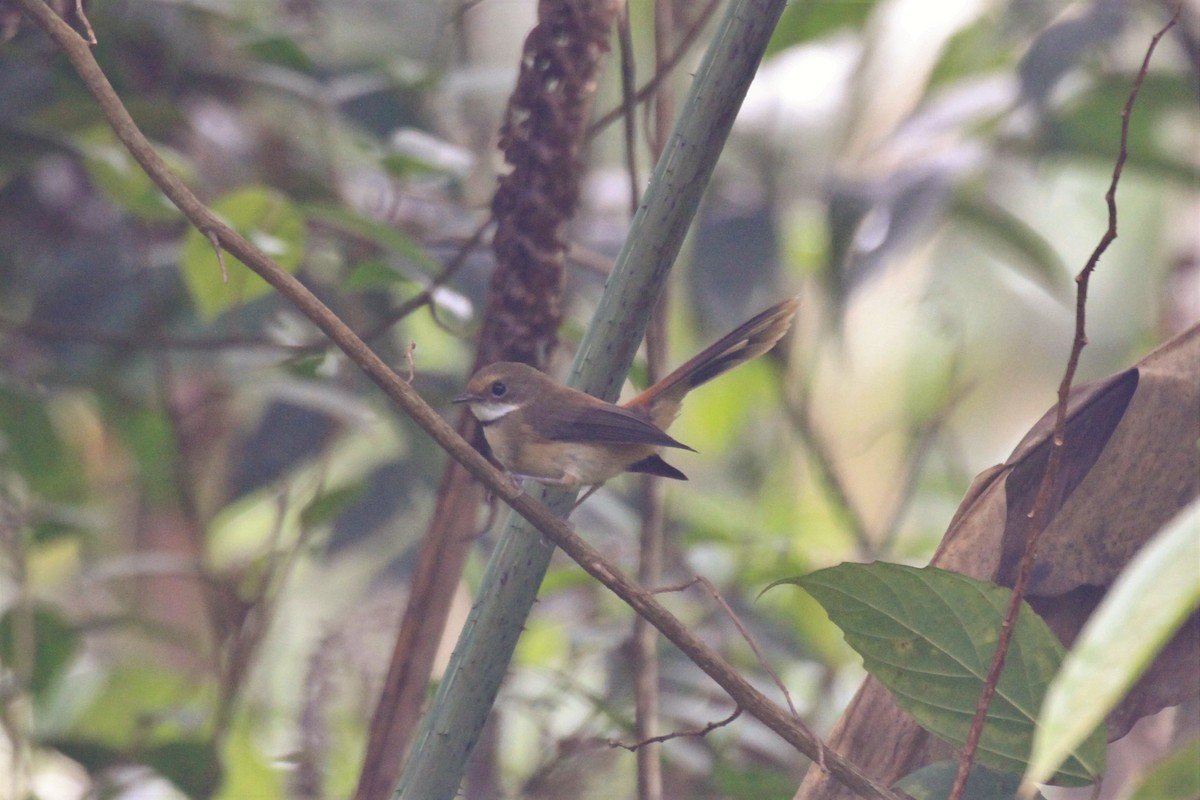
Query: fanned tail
{"points": [[744, 343]]}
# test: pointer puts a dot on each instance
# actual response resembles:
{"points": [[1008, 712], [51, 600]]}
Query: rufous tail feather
{"points": [[746, 342]]}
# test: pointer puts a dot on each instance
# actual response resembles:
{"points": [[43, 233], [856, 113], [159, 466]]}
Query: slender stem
{"points": [[1038, 514]]}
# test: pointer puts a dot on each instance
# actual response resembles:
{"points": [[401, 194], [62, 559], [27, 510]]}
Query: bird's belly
{"points": [[572, 463]]}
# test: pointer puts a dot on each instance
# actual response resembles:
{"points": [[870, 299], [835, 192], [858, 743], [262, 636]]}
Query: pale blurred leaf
{"points": [[1143, 609]]}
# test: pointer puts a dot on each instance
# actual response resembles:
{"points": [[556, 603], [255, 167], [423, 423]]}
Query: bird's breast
{"points": [[515, 445]]}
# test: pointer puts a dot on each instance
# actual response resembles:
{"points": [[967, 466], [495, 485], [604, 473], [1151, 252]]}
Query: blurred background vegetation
{"points": [[207, 519]]}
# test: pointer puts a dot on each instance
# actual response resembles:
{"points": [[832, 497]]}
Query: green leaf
{"points": [[269, 220], [248, 771], [53, 639], [306, 365], [327, 506], [147, 435], [372, 274], [403, 165], [31, 446], [115, 173], [544, 643], [1147, 603], [804, 22], [193, 766], [91, 755], [1176, 777], [928, 635], [281, 51], [146, 704], [749, 782], [934, 782], [51, 530]]}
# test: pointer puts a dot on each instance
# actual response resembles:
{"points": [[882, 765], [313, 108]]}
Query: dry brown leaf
{"points": [[1131, 462]]}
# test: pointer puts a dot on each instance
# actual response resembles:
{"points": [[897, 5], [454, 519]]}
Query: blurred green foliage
{"points": [[266, 218], [208, 519]]}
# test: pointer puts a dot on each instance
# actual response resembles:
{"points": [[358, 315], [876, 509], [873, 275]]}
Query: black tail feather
{"points": [[654, 465]]}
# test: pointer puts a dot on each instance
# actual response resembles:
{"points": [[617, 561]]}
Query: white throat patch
{"points": [[490, 412]]}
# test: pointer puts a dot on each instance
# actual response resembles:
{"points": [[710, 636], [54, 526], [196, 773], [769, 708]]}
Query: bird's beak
{"points": [[465, 398]]}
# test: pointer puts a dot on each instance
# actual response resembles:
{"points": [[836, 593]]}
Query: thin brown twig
{"points": [[762, 660], [87, 25], [425, 296], [664, 95], [592, 260], [729, 612], [628, 104], [184, 471], [1037, 515], [408, 359], [579, 256], [666, 737], [438, 429], [661, 74], [645, 639], [650, 538], [216, 246]]}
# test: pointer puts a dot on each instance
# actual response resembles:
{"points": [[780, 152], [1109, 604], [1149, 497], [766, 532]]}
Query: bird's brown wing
{"points": [[603, 423]]}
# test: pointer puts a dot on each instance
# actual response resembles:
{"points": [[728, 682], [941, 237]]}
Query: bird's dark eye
{"points": [[499, 389]]}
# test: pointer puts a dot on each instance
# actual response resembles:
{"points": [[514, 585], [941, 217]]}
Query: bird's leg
{"points": [[591, 491], [568, 480], [493, 508], [490, 496]]}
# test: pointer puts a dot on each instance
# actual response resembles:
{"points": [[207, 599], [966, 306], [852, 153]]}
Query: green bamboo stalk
{"points": [[514, 574]]}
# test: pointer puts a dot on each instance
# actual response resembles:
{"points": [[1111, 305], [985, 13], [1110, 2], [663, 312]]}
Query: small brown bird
{"points": [[556, 435]]}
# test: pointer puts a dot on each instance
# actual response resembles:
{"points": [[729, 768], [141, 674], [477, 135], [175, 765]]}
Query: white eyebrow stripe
{"points": [[490, 412]]}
